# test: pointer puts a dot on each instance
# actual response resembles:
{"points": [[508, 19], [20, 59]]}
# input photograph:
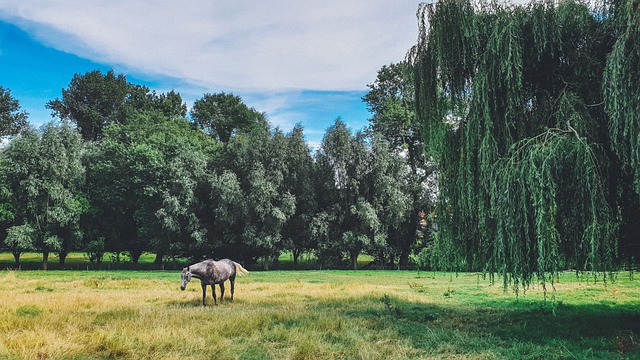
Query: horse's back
{"points": [[224, 269]]}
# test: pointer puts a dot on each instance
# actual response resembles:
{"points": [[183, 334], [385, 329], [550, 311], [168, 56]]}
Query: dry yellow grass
{"points": [[275, 315], [144, 315]]}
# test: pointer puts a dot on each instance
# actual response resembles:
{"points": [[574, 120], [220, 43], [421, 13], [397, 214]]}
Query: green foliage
{"points": [[254, 203], [391, 100], [95, 251], [12, 118], [300, 181], [621, 91], [553, 187], [223, 115], [44, 175], [21, 238], [365, 200], [28, 311], [94, 101], [142, 99], [510, 102], [143, 181], [230, 186]]}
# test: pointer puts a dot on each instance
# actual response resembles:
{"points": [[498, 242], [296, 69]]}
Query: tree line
{"points": [[126, 170]]}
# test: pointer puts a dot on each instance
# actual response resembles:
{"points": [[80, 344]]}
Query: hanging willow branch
{"points": [[621, 91], [550, 208], [501, 91]]}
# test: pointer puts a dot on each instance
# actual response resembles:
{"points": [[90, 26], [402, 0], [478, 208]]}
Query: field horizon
{"points": [[79, 261]]}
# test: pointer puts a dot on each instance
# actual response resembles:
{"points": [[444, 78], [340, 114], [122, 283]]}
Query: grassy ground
{"points": [[79, 261], [312, 315]]}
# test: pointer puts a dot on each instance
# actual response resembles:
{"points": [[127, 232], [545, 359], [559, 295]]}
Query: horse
{"points": [[212, 272]]}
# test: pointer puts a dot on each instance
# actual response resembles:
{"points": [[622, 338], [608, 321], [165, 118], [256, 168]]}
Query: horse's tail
{"points": [[240, 270]]}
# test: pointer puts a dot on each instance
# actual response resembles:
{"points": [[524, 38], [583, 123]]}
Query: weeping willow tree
{"points": [[516, 103], [621, 91]]}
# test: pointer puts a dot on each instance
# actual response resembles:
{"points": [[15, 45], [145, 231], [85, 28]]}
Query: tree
{"points": [[336, 158], [621, 97], [142, 99], [391, 101], [178, 214], [45, 175], [19, 239], [268, 211], [299, 182], [94, 101], [393, 198], [509, 97], [223, 115], [223, 212], [350, 198], [12, 118], [260, 166], [142, 181]]}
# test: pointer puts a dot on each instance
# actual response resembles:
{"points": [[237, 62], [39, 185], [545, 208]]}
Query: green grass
{"points": [[79, 261], [312, 315], [75, 261]]}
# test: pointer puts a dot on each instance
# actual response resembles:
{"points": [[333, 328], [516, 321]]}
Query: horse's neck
{"points": [[199, 270]]}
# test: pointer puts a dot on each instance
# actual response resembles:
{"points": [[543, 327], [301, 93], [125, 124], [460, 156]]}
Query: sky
{"points": [[305, 62]]}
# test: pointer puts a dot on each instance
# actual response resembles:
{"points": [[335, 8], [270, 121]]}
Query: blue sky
{"points": [[299, 62]]}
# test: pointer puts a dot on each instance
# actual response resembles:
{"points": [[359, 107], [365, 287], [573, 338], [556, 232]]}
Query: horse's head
{"points": [[186, 277]]}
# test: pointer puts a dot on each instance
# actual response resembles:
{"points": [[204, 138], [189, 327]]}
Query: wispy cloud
{"points": [[298, 61], [258, 45]]}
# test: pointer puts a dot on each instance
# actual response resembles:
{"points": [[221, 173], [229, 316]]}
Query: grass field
{"points": [[79, 261], [313, 315]]}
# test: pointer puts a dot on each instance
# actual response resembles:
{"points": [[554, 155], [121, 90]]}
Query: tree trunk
{"points": [[63, 258], [354, 260], [388, 263], [266, 263], [159, 259], [135, 256], [45, 260], [16, 257], [410, 237], [296, 255]]}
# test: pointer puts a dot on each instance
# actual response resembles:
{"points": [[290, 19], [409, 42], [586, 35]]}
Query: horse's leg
{"points": [[213, 292], [232, 280], [221, 291], [204, 294]]}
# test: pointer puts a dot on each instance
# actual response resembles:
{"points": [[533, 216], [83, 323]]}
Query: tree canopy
{"points": [[94, 101], [391, 100], [513, 102], [222, 115], [43, 176], [12, 118]]}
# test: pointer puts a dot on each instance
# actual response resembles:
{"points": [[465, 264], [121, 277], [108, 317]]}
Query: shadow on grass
{"points": [[529, 331], [197, 303]]}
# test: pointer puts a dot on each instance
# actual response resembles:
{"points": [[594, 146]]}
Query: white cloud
{"points": [[235, 45], [298, 61]]}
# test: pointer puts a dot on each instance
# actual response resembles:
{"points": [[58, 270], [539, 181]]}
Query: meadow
{"points": [[79, 314], [79, 261]]}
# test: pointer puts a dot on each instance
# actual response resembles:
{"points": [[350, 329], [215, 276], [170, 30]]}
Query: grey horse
{"points": [[212, 272]]}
